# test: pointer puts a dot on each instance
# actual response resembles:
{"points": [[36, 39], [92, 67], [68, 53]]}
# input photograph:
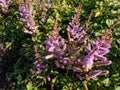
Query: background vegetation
{"points": [[17, 71]]}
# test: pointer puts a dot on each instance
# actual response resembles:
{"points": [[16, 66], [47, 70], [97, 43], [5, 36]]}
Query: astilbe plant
{"points": [[27, 17], [66, 52]]}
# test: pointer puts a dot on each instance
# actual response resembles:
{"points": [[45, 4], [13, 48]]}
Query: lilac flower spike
{"points": [[40, 66], [24, 12], [27, 17], [4, 4], [97, 51], [95, 54], [56, 47], [75, 30], [55, 43]]}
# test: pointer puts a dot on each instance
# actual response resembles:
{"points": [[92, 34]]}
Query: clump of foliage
{"points": [[71, 55]]}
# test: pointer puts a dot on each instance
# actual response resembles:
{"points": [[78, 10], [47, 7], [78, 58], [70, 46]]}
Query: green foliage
{"points": [[105, 12]]}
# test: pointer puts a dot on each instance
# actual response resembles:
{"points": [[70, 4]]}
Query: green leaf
{"points": [[29, 86], [54, 79], [106, 81], [109, 22], [97, 12], [117, 88]]}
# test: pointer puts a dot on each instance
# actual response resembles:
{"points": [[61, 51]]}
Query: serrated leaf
{"points": [[43, 78], [106, 81], [54, 79], [109, 22], [29, 86], [117, 88], [97, 12]]}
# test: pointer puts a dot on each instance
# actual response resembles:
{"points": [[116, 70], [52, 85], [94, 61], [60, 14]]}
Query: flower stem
{"points": [[85, 85]]}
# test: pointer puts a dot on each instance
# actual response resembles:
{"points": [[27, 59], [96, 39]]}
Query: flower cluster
{"points": [[4, 4], [46, 5], [75, 30], [66, 54], [55, 43], [96, 51], [27, 17], [55, 46], [96, 55]]}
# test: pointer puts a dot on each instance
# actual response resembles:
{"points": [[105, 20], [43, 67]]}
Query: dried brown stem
{"points": [[88, 23], [78, 13], [37, 55], [86, 78], [85, 85], [114, 24]]}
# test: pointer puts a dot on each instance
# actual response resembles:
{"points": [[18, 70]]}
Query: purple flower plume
{"points": [[55, 43], [4, 4], [27, 17], [97, 52], [40, 66], [75, 29]]}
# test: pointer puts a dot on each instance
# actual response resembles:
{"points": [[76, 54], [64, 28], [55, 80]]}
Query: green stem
{"points": [[52, 86]]}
